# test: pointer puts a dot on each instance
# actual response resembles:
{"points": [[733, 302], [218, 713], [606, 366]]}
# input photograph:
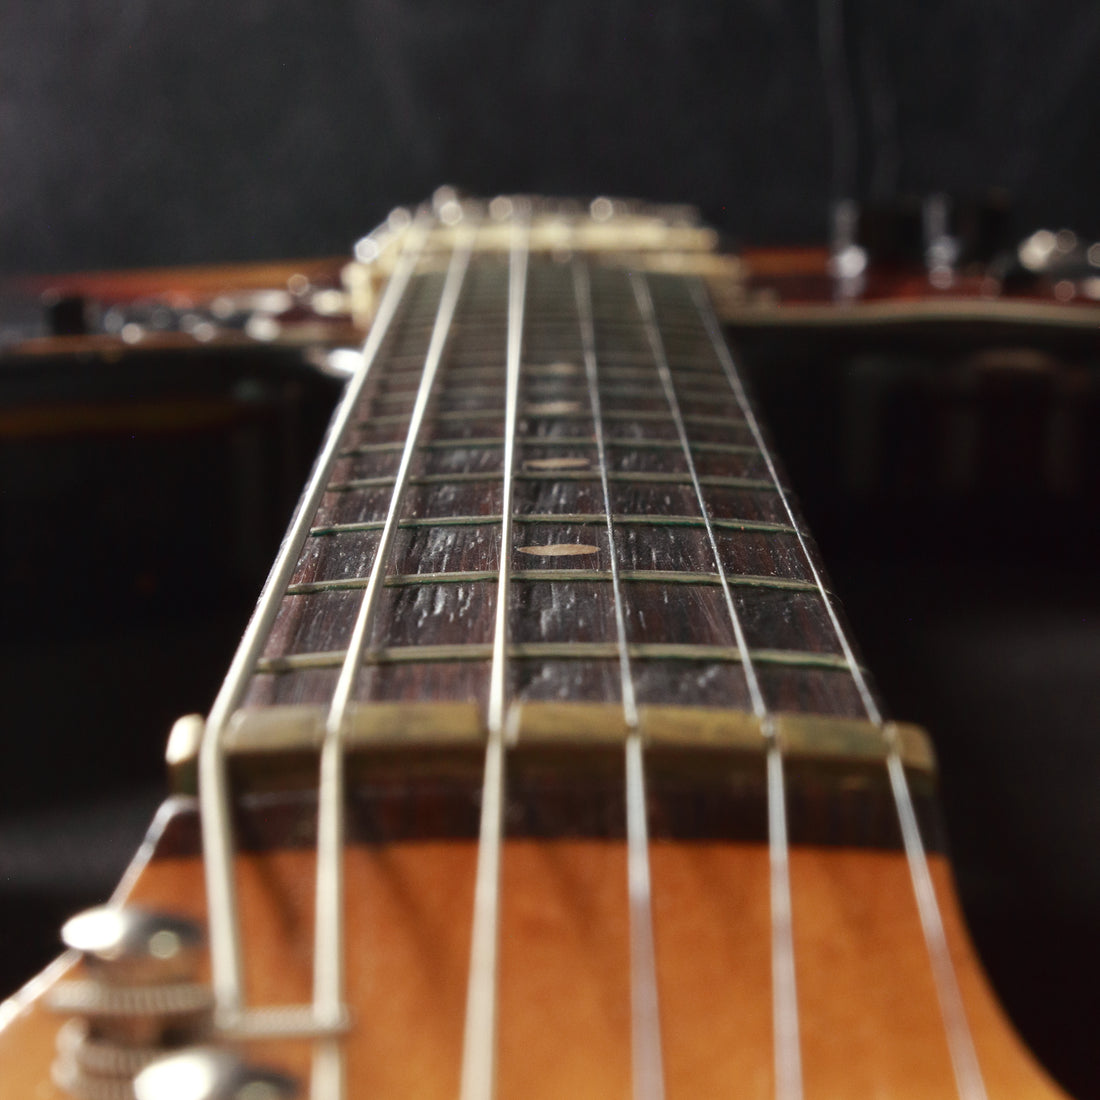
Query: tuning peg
{"points": [[210, 1073], [138, 994], [132, 946]]}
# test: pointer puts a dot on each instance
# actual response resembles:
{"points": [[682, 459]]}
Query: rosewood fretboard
{"points": [[724, 611], [433, 632]]}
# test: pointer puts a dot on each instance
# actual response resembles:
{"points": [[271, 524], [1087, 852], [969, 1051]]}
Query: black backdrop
{"points": [[140, 133]]}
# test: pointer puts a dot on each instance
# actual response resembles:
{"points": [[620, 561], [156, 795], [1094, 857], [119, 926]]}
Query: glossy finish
{"points": [[870, 1022], [693, 499]]}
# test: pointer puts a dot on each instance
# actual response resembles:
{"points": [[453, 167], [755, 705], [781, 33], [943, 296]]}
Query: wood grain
{"points": [[456, 480], [869, 1017]]}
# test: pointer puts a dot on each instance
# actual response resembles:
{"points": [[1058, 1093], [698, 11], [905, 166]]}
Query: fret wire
{"points": [[626, 477], [702, 368], [788, 1060], [328, 952], [566, 651], [964, 1058], [223, 918], [645, 1018], [479, 1040], [627, 576], [549, 326], [463, 392], [580, 518], [686, 365], [630, 415], [551, 443]]}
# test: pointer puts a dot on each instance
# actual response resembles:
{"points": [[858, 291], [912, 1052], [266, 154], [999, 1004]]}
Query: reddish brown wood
{"points": [[461, 475], [869, 1017]]}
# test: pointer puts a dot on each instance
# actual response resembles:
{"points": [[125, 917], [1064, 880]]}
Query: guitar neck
{"points": [[548, 503], [547, 590], [662, 440]]}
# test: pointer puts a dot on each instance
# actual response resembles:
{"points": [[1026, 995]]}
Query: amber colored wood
{"points": [[870, 1023], [199, 280]]}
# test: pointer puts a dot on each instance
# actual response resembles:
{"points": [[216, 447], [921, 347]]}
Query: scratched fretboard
{"points": [[432, 635]]}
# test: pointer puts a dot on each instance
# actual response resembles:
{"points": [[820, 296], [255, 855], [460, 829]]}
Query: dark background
{"points": [[140, 133], [173, 132]]}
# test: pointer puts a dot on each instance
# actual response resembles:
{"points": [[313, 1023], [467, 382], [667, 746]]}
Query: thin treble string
{"points": [[328, 951], [479, 1040], [964, 1058], [645, 1016], [788, 1059], [218, 844]]}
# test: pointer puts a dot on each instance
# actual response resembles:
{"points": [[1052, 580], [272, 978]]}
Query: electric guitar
{"points": [[546, 766]]}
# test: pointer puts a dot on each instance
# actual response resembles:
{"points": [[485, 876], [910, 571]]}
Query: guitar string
{"points": [[647, 1062], [967, 1070], [218, 841], [329, 936], [217, 838], [479, 1040], [788, 1058]]}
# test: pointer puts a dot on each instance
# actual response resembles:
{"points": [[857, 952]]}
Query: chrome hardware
{"points": [[137, 997], [209, 1073]]}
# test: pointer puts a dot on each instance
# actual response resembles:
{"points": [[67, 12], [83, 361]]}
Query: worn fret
{"points": [[579, 518], [474, 392], [638, 576], [699, 369], [438, 590], [557, 651], [634, 416], [642, 477]]}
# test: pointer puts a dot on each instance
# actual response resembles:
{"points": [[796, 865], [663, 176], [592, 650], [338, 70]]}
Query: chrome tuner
{"points": [[210, 1073], [136, 997]]}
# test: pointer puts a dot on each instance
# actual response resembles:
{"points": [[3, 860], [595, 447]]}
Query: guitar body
{"points": [[795, 828], [871, 1024]]}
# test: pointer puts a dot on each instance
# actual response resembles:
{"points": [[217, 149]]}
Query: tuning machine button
{"points": [[945, 234], [137, 996], [210, 1073]]}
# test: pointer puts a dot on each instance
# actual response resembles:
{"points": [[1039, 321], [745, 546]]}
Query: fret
{"points": [[636, 368], [433, 723], [453, 552], [705, 679], [549, 314], [388, 395], [579, 518], [638, 576], [437, 456], [559, 651], [475, 364], [640, 477], [446, 536]]}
